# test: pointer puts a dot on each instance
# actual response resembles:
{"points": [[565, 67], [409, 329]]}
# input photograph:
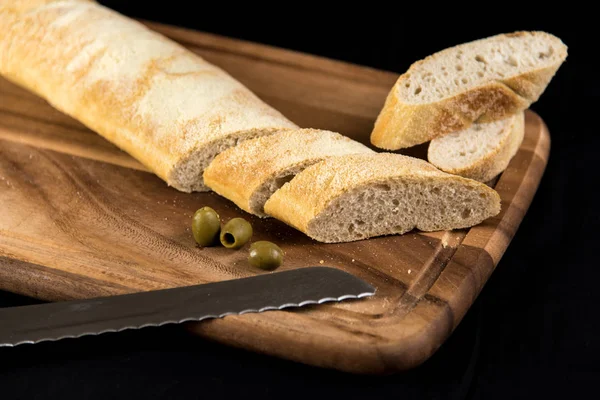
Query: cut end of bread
{"points": [[480, 152], [187, 174], [262, 194], [459, 149], [381, 194], [476, 63], [401, 205]]}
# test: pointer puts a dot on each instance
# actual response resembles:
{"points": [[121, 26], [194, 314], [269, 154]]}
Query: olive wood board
{"points": [[79, 218]]}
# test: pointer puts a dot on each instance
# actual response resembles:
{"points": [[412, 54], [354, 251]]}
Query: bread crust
{"points": [[495, 161], [401, 124], [150, 96], [299, 205], [240, 172]]}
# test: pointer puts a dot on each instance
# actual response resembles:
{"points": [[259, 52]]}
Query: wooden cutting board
{"points": [[79, 218]]}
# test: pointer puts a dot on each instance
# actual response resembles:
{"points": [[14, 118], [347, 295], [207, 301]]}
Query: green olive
{"points": [[236, 233], [265, 255], [206, 226]]}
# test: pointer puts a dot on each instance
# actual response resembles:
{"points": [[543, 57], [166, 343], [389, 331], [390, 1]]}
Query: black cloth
{"points": [[533, 330]]}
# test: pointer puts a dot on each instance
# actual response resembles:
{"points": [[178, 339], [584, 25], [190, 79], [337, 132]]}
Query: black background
{"points": [[534, 329]]}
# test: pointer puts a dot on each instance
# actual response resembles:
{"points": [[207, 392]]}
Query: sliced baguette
{"points": [[481, 151], [150, 96], [481, 81], [249, 173], [349, 198]]}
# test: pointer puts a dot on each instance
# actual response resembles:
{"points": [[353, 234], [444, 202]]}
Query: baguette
{"points": [[481, 151], [164, 105], [481, 81], [355, 197], [249, 173]]}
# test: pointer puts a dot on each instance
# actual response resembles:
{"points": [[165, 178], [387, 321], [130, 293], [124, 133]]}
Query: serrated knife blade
{"points": [[269, 291]]}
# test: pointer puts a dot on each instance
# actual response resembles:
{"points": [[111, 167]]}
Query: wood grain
{"points": [[79, 218]]}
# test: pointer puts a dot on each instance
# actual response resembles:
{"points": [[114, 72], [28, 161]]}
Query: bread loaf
{"points": [[481, 81], [249, 173], [177, 114], [359, 196], [481, 151], [164, 105]]}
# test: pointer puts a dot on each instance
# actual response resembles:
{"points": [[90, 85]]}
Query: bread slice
{"points": [[153, 98], [249, 173], [481, 151], [349, 198], [481, 81]]}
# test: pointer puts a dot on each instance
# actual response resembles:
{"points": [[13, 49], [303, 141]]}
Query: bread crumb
{"points": [[353, 260], [409, 271], [321, 262]]}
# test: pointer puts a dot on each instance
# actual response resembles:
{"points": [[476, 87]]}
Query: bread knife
{"points": [[268, 291]]}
